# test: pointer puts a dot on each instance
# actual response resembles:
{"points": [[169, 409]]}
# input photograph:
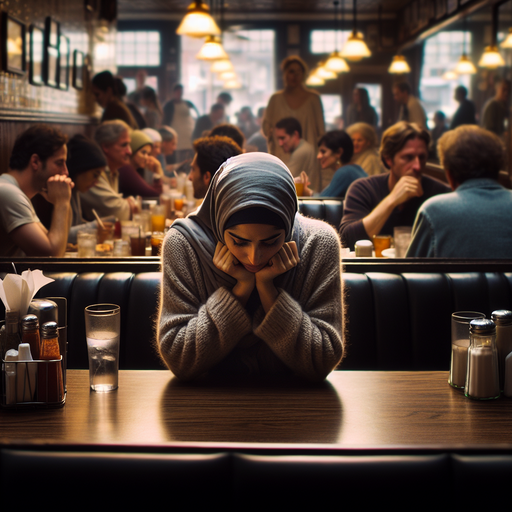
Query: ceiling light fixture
{"points": [[491, 57], [198, 22], [212, 49], [336, 62], [465, 66], [355, 48], [399, 66]]}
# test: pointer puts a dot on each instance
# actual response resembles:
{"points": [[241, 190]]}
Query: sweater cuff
{"points": [[284, 317], [228, 314]]}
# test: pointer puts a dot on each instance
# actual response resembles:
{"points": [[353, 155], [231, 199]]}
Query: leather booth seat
{"points": [[243, 481], [328, 209]]}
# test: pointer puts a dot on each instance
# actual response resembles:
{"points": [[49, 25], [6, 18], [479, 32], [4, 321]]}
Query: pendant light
{"points": [[465, 66], [198, 22], [399, 66], [491, 57], [336, 62], [355, 48], [508, 41], [212, 49], [324, 73], [314, 81], [221, 65]]}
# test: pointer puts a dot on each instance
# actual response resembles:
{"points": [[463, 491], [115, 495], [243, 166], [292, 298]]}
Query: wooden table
{"points": [[351, 410]]}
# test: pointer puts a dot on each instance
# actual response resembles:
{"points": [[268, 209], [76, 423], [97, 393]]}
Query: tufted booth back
{"points": [[403, 321], [327, 209]]}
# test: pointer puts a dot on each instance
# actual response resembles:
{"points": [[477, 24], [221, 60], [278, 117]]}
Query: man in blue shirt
{"points": [[473, 221]]}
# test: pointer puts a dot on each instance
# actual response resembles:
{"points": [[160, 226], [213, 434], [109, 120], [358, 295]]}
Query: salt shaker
{"points": [[503, 320], [482, 380]]}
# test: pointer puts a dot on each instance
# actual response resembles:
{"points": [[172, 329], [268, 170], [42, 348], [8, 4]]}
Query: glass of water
{"points": [[102, 330]]}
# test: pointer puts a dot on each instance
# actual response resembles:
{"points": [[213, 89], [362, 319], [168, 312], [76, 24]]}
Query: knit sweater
{"points": [[301, 333]]}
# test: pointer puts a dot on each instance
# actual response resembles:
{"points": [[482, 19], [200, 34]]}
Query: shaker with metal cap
{"points": [[30, 334], [45, 310], [503, 320], [482, 380]]}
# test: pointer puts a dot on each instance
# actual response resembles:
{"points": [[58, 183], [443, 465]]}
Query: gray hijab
{"points": [[244, 181]]}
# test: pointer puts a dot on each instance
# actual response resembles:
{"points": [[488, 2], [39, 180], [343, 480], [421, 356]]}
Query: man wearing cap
{"points": [[37, 166], [85, 164]]}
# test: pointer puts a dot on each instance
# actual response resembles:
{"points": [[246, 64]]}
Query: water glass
{"points": [[102, 330]]}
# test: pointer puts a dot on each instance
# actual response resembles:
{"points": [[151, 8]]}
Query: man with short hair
{"points": [[473, 221], [376, 205], [288, 132], [211, 153], [465, 114], [113, 137], [411, 109], [37, 166], [207, 122], [231, 131], [496, 110]]}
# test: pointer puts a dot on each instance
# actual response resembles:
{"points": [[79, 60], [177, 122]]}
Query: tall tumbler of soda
{"points": [[102, 330]]}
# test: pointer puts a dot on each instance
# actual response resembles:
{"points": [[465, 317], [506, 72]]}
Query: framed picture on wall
{"points": [[63, 62], [78, 69], [51, 52], [14, 47], [36, 55]]}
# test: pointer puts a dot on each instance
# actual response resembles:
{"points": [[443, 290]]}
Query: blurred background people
{"points": [[258, 141], [297, 101], [247, 122], [360, 110], [366, 144], [153, 113], [440, 127], [496, 110], [231, 131], [411, 109], [208, 121], [465, 113]]}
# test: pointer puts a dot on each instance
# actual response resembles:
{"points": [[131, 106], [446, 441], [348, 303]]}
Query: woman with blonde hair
{"points": [[366, 143]]}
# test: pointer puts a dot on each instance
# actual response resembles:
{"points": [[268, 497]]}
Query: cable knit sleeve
{"points": [[195, 331], [304, 330]]}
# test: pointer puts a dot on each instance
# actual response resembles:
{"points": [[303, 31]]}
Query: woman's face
{"points": [[293, 75], [102, 97], [327, 157], [254, 245], [360, 143], [157, 149], [85, 180], [140, 158]]}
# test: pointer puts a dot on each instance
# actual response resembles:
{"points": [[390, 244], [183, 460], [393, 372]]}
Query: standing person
{"points": [[411, 110], [465, 114], [207, 122], [496, 110], [153, 114], [297, 101], [375, 205], [37, 166], [177, 115], [105, 90], [366, 144], [436, 133], [225, 99], [249, 285], [113, 137], [360, 110], [247, 122]]}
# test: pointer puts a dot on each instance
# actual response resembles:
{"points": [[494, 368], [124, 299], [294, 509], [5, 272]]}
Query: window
{"points": [[441, 54], [138, 48], [324, 41]]}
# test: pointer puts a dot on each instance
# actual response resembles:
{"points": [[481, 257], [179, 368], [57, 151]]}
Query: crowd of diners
{"points": [[249, 284]]}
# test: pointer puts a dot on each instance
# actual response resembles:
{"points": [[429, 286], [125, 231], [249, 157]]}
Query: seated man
{"points": [[302, 154], [211, 153], [474, 220], [37, 166], [377, 204], [113, 137]]}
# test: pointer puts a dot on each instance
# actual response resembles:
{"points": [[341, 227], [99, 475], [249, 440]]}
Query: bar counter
{"points": [[350, 410]]}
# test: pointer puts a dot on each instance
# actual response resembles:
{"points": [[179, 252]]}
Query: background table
{"points": [[360, 410]]}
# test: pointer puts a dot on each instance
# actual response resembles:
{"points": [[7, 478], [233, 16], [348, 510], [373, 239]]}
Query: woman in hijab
{"points": [[249, 285]]}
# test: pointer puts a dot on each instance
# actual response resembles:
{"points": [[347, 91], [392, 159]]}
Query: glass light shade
{"points": [[325, 74], [232, 84], [508, 41], [491, 58], [450, 75], [336, 63], [212, 49], [399, 66], [221, 65], [314, 81], [198, 22], [355, 48], [227, 75], [465, 66]]}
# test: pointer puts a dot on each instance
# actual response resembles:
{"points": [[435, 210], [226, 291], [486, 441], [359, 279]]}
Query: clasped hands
{"points": [[285, 259]]}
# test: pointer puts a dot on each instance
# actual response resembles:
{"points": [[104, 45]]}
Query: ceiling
{"points": [[259, 9]]}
